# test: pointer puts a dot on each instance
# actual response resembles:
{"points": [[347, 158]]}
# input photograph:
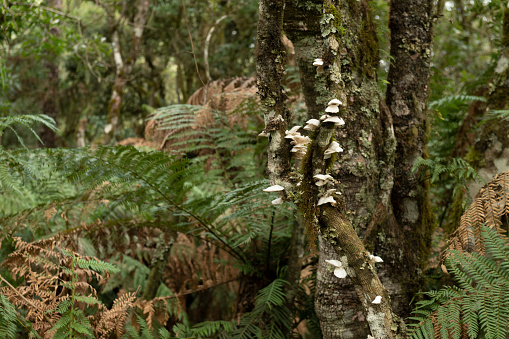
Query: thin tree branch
{"points": [[192, 45]]}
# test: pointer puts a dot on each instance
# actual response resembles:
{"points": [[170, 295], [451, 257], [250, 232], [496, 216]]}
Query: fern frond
{"points": [[454, 100]]}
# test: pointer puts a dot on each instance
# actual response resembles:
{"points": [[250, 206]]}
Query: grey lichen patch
{"points": [[376, 322], [411, 210], [327, 26], [365, 139], [335, 73]]}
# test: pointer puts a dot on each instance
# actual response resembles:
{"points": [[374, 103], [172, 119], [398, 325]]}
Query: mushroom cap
{"points": [[299, 148], [326, 200], [340, 272], [332, 109], [274, 188], [314, 122], [333, 148], [377, 300], [322, 176], [310, 127], [336, 120], [318, 62], [325, 116], [333, 262], [301, 140], [277, 201], [263, 134], [335, 102]]}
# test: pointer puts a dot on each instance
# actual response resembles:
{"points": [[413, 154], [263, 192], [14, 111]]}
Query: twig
{"points": [[192, 45], [178, 295]]}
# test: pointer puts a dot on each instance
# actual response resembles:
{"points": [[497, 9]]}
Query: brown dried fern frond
{"points": [[114, 319], [491, 208]]}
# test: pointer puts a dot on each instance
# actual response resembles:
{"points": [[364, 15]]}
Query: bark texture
{"points": [[302, 26], [270, 66], [406, 247], [364, 169]]}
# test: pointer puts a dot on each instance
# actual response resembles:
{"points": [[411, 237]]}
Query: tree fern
{"points": [[479, 304]]}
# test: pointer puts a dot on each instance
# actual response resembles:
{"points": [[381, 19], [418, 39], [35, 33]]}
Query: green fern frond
{"points": [[454, 100], [8, 318], [480, 303]]}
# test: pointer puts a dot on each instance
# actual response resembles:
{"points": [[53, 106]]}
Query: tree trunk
{"points": [[406, 248], [50, 102], [344, 36], [491, 148], [270, 66], [124, 69]]}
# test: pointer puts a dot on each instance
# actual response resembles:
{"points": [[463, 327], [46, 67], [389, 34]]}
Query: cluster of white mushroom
{"points": [[339, 271], [319, 65], [299, 142], [333, 107], [375, 258], [275, 188]]}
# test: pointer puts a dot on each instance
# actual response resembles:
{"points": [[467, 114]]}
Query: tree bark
{"points": [[124, 69], [364, 169], [270, 67], [406, 248], [344, 36]]}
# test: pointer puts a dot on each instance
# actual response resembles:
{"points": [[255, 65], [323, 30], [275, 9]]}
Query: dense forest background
{"points": [[137, 138]]}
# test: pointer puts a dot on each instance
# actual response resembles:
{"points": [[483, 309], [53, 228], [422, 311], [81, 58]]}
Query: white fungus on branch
{"points": [[322, 179], [339, 271], [312, 124], [333, 148], [274, 188]]}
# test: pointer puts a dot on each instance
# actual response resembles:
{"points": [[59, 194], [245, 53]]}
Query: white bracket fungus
{"points": [[312, 124], [274, 188], [322, 179], [277, 201], [333, 148], [339, 271], [375, 258], [318, 62], [325, 200]]}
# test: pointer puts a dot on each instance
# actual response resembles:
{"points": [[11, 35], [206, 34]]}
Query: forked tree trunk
{"points": [[50, 102], [343, 35], [124, 68], [407, 243]]}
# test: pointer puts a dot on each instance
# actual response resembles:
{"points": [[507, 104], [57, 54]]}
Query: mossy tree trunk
{"points": [[406, 245], [270, 67], [343, 35]]}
